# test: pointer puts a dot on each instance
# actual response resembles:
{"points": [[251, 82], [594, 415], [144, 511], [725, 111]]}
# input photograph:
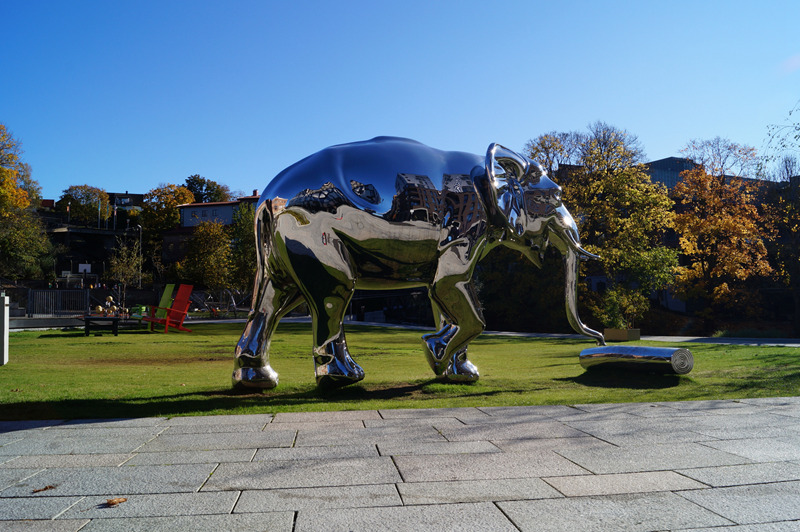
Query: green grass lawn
{"points": [[66, 375]]}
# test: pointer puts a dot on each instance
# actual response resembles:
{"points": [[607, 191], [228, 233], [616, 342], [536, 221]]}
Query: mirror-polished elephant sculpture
{"points": [[392, 213]]}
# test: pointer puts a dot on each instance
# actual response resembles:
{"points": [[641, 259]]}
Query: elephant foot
{"points": [[435, 344], [336, 371], [460, 369], [263, 378]]}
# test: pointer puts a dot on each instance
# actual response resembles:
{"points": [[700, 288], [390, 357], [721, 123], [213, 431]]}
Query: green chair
{"points": [[140, 311]]}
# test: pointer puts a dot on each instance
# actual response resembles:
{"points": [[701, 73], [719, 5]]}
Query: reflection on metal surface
{"points": [[665, 359], [393, 213]]}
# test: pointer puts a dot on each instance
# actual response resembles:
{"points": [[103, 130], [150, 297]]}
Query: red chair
{"points": [[175, 314]]}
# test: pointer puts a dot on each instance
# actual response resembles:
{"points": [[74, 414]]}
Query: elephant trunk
{"points": [[572, 256]]}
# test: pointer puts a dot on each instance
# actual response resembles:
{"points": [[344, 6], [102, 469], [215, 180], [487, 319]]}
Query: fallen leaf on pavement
{"points": [[115, 501]]}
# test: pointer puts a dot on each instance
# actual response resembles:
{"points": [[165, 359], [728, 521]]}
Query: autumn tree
{"points": [[208, 256], [25, 251], [86, 204], [159, 214], [206, 190], [243, 248], [722, 230], [623, 219]]}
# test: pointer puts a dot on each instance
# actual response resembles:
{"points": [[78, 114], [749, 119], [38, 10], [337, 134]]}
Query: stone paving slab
{"points": [[63, 525], [258, 420], [480, 517], [95, 432], [112, 423], [744, 474], [316, 438], [359, 450], [156, 505], [509, 431], [779, 501], [193, 457], [111, 481], [783, 526], [373, 495], [458, 413], [551, 444], [74, 444], [274, 522], [650, 458], [67, 460], [761, 449], [509, 412], [421, 448], [303, 474], [216, 441], [631, 513], [614, 484], [14, 426], [212, 429], [346, 415], [743, 433], [427, 421], [475, 491], [484, 466], [9, 477], [35, 507], [317, 425]]}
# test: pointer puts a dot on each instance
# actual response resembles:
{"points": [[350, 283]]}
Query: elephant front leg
{"points": [[333, 365], [251, 357], [446, 350]]}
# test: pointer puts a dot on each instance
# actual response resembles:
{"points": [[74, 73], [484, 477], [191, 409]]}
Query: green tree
{"points": [[125, 266], [208, 256], [623, 218], [25, 251], [206, 190], [86, 204], [243, 248]]}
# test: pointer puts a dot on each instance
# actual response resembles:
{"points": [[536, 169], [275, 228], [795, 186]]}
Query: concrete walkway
{"points": [[727, 466]]}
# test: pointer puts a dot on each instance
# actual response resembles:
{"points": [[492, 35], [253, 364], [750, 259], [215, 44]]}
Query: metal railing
{"points": [[57, 303]]}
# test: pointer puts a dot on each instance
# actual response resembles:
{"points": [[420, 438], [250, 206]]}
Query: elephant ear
{"points": [[498, 185]]}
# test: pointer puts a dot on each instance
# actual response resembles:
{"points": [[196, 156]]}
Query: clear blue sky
{"points": [[126, 95]]}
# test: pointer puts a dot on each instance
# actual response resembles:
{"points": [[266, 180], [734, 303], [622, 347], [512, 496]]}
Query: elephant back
{"points": [[370, 176]]}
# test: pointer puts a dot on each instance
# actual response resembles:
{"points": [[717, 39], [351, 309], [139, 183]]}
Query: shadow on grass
{"points": [[620, 378], [229, 401]]}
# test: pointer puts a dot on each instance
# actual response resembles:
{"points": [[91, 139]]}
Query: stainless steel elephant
{"points": [[392, 213]]}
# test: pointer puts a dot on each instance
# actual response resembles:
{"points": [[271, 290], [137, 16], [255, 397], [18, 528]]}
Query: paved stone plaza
{"points": [[728, 466]]}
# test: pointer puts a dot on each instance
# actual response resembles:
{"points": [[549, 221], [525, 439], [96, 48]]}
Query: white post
{"points": [[5, 325]]}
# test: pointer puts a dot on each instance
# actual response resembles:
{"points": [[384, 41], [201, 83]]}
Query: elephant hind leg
{"points": [[251, 364], [447, 349]]}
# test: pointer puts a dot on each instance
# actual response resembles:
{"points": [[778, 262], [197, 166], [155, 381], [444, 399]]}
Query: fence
{"points": [[57, 303]]}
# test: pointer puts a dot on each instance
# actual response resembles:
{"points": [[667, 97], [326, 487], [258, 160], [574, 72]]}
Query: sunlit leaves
{"points": [[624, 217], [722, 232], [23, 245]]}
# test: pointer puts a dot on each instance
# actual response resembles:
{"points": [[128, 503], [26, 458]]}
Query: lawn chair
{"points": [[138, 312], [175, 314]]}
